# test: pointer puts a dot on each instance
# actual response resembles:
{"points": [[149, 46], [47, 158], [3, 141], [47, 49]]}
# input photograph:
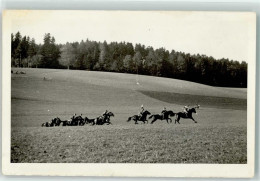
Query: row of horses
{"points": [[167, 116], [79, 121]]}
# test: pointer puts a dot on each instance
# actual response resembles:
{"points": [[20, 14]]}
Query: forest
{"points": [[125, 57]]}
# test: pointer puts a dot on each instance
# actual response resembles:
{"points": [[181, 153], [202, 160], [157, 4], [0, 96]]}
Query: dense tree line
{"points": [[124, 57], [26, 53]]}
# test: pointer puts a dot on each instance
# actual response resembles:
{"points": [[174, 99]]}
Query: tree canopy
{"points": [[127, 58]]}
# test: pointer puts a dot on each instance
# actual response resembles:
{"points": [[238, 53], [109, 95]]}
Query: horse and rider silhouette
{"points": [[104, 119], [80, 121], [141, 117], [187, 115], [165, 116]]}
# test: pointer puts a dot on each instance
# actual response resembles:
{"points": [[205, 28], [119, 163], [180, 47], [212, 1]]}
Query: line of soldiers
{"points": [[103, 116], [185, 110]]}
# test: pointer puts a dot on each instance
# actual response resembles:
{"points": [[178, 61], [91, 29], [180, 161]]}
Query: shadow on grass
{"points": [[205, 101]]}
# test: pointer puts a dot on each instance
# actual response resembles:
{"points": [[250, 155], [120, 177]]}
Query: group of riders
{"points": [[78, 120], [185, 111], [105, 117]]}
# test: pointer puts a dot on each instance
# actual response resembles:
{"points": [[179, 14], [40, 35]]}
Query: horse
{"points": [[107, 117], [103, 119], [87, 121], [161, 117], [55, 121], [140, 118], [47, 124], [77, 121], [186, 116]]}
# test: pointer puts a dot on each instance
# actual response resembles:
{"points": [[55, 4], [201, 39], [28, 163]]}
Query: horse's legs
{"points": [[167, 120], [177, 119], [153, 120], [193, 120], [170, 119]]}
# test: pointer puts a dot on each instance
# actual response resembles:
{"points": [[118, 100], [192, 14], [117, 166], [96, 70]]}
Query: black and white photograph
{"points": [[129, 90]]}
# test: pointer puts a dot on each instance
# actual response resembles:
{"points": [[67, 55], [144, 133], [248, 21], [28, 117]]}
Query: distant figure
{"points": [[163, 112], [44, 78], [142, 111], [104, 115], [186, 109], [74, 116]]}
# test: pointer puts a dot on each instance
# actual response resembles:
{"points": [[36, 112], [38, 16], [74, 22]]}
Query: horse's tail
{"points": [[129, 119], [151, 116]]}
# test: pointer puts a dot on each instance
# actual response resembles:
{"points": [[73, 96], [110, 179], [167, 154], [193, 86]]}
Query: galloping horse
{"points": [[186, 116], [77, 121], [46, 124], [87, 120], [107, 118], [140, 118], [160, 117], [55, 121], [103, 119]]}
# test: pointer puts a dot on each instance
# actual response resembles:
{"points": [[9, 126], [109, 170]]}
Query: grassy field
{"points": [[219, 136]]}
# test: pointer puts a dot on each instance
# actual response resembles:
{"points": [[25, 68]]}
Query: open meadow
{"points": [[220, 136]]}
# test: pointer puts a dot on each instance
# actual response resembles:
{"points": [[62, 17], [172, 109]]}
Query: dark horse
{"points": [[166, 116], [88, 121], [103, 119], [140, 118], [77, 121], [186, 116], [54, 122], [99, 120]]}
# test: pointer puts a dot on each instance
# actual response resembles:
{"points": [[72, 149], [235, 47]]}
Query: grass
{"points": [[130, 144], [219, 136]]}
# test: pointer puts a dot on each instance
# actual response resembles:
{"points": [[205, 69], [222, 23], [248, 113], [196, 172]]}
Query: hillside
{"points": [[42, 94], [64, 92]]}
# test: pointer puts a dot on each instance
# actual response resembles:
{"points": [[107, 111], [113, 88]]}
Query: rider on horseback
{"points": [[104, 116], [142, 111], [73, 117], [186, 109], [163, 112]]}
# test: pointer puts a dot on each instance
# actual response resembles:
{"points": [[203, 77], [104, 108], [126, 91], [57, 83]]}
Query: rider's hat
{"points": [[142, 105]]}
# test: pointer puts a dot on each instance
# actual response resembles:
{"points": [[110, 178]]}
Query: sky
{"points": [[216, 34]]}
